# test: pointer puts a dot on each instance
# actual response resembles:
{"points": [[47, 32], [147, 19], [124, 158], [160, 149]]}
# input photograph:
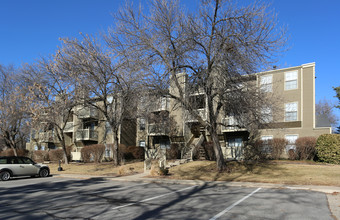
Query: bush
{"points": [[305, 148], [40, 156], [328, 148], [10, 152], [131, 152], [173, 153], [93, 153], [58, 154], [292, 155], [254, 151], [277, 147]]}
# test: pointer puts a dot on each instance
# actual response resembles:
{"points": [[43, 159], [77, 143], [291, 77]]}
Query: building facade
{"points": [[162, 122], [294, 117], [85, 126]]}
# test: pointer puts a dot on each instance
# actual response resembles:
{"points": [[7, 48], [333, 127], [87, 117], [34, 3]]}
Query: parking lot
{"points": [[96, 198]]}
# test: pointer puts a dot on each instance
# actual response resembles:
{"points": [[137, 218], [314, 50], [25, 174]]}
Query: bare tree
{"points": [[13, 117], [324, 108], [51, 101], [216, 46], [106, 85]]}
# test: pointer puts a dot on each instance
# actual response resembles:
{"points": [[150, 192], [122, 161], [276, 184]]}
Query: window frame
{"points": [[266, 85], [287, 82], [297, 110], [290, 145]]}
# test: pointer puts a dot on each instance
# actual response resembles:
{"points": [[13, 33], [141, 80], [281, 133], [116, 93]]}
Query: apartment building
{"points": [[162, 122], [294, 89], [85, 126]]}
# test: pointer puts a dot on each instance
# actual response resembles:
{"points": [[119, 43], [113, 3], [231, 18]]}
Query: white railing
{"points": [[158, 129], [87, 112], [86, 135]]}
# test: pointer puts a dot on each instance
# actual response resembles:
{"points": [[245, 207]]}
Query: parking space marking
{"points": [[235, 204], [155, 197]]}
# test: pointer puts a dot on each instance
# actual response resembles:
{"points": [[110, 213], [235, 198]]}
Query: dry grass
{"points": [[282, 172], [100, 169]]}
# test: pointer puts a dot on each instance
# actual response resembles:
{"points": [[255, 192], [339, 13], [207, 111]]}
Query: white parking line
{"points": [[233, 205], [155, 197]]}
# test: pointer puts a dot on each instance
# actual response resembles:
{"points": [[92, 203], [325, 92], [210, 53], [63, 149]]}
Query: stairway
{"points": [[193, 144]]}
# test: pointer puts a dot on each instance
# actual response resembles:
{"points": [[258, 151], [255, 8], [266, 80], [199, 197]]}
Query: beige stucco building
{"points": [[162, 122], [294, 116], [85, 126]]}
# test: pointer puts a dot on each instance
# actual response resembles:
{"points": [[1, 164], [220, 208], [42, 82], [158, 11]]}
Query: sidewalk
{"points": [[332, 192]]}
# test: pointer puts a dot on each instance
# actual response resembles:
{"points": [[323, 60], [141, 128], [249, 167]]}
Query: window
{"points": [[266, 147], [266, 83], [266, 113], [164, 103], [197, 101], [291, 142], [235, 145], [42, 147], [36, 147], [164, 144], [291, 111], [142, 143], [142, 124], [291, 80]]}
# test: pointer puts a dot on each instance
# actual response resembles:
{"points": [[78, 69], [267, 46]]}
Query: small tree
{"points": [[106, 84], [51, 100], [13, 115]]}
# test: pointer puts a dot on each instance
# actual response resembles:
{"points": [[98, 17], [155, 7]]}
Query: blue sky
{"points": [[30, 29]]}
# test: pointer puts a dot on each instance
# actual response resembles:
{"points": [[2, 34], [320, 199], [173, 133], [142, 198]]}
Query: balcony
{"points": [[231, 124], [162, 104], [158, 129], [191, 118], [86, 135], [87, 112], [69, 127], [46, 137]]}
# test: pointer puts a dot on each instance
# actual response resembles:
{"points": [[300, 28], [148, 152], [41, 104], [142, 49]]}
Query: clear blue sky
{"points": [[31, 28]]}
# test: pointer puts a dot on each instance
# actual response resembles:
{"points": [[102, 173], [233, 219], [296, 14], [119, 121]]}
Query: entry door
{"points": [[235, 145]]}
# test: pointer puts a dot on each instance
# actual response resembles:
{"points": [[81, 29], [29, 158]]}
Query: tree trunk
{"points": [[14, 151], [115, 149], [221, 165], [65, 152]]}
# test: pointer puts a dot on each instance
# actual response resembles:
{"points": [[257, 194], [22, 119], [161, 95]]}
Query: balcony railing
{"points": [[69, 127], [191, 118], [47, 136], [231, 124], [87, 112], [162, 104], [86, 135], [158, 129]]}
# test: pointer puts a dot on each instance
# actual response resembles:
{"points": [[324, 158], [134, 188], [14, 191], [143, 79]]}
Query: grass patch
{"points": [[282, 172], [100, 169]]}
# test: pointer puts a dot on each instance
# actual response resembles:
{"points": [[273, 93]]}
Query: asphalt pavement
{"points": [[93, 197]]}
